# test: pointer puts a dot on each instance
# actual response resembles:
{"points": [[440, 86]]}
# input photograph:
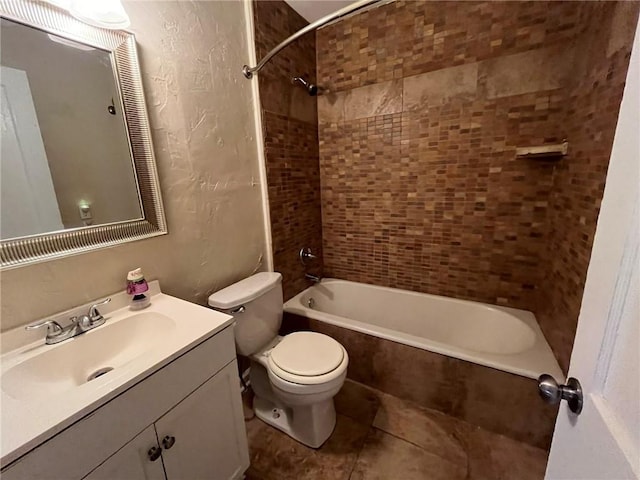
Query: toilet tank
{"points": [[259, 321]]}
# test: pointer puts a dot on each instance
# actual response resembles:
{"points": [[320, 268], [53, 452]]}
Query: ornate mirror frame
{"points": [[122, 47]]}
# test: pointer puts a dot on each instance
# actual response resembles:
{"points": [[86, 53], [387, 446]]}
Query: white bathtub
{"points": [[499, 337]]}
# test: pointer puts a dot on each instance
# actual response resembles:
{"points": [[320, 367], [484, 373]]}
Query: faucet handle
{"points": [[53, 327], [94, 315], [305, 254]]}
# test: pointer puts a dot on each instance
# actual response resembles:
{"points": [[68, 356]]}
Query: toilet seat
{"points": [[307, 358], [307, 354]]}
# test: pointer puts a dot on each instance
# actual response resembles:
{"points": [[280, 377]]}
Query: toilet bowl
{"points": [[294, 377]]}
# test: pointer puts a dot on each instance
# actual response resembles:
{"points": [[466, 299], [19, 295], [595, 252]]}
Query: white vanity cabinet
{"points": [[204, 435], [190, 411], [132, 461], [198, 439]]}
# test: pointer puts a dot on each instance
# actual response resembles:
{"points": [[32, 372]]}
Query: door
{"points": [[29, 204], [204, 435], [603, 442], [132, 461]]}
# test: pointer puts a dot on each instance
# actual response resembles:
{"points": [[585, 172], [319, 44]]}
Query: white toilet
{"points": [[294, 377]]}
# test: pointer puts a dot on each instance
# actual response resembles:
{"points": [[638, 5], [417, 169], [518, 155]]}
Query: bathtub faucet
{"points": [[313, 278]]}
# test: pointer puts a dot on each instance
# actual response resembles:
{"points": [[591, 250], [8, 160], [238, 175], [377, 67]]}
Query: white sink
{"points": [[76, 361], [46, 388]]}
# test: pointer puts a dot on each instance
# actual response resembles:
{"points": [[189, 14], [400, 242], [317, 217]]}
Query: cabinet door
{"points": [[209, 432], [132, 462]]}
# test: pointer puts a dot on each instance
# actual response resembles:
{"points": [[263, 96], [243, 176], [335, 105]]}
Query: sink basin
{"points": [[87, 357], [46, 388]]}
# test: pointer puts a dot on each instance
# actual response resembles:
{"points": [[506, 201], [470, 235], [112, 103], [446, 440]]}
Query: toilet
{"points": [[294, 377]]}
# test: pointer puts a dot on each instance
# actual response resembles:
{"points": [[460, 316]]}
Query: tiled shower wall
{"points": [[421, 188], [424, 106], [289, 120], [578, 183]]}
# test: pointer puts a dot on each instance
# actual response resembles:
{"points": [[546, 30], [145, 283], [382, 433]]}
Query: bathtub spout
{"points": [[313, 278]]}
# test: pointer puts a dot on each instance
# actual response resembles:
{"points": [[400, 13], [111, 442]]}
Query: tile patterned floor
{"points": [[380, 437]]}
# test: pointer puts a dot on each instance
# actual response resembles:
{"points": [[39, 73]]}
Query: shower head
{"points": [[310, 87]]}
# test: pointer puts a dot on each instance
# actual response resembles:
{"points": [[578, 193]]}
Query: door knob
{"points": [[552, 393], [154, 453]]}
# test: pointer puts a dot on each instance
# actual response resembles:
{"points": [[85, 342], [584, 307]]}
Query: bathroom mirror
{"points": [[77, 164]]}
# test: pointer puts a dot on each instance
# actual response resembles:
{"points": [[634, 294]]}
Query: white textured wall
{"points": [[202, 116]]}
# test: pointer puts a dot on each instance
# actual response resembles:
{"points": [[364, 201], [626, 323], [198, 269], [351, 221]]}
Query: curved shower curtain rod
{"points": [[353, 8]]}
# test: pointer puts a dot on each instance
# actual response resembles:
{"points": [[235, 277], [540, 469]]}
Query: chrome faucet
{"points": [[56, 333], [313, 278]]}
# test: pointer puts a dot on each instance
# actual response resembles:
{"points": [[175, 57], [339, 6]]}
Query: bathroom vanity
{"points": [[169, 405]]}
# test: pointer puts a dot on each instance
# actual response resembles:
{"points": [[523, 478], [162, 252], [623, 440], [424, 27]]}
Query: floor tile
{"points": [[381, 437], [358, 402], [496, 457], [385, 457], [276, 456], [431, 430]]}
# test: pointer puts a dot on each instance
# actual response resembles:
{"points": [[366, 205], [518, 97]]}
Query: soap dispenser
{"points": [[136, 286]]}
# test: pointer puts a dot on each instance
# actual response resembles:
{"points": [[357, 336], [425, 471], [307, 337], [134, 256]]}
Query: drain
{"points": [[99, 373]]}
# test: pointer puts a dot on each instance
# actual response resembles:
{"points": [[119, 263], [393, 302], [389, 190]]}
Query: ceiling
{"points": [[312, 10]]}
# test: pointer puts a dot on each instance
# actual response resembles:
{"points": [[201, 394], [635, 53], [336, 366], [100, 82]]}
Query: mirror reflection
{"points": [[65, 156]]}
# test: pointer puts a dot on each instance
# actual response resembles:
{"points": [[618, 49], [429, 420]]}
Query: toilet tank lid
{"points": [[245, 290]]}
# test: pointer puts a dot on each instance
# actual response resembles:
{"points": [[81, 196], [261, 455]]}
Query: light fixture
{"points": [[100, 13]]}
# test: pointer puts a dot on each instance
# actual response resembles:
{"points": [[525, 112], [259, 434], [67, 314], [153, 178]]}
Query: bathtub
{"points": [[502, 338]]}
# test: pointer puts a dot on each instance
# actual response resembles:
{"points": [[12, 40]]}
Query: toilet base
{"points": [[310, 425]]}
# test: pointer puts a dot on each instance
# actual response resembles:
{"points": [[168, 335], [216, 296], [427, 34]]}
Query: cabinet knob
{"points": [[168, 441], [154, 453]]}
